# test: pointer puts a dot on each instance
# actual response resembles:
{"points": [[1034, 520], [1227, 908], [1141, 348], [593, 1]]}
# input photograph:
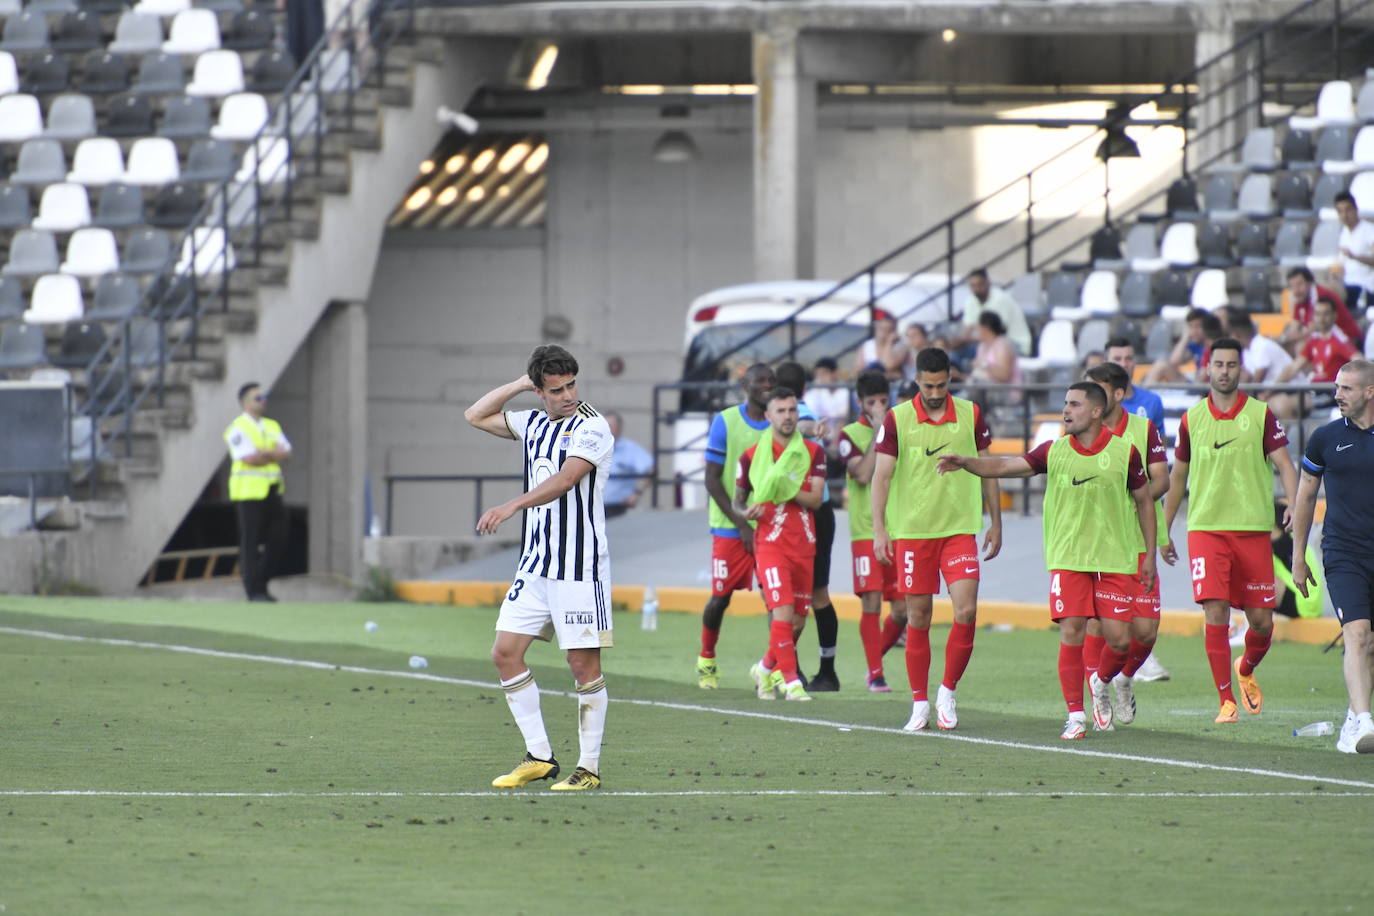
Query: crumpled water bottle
{"points": [[648, 614]]}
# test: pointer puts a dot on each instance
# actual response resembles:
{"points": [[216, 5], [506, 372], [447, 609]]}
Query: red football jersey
{"points": [[786, 525]]}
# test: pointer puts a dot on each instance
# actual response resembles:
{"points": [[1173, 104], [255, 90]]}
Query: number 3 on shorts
{"points": [[515, 589], [1199, 568]]}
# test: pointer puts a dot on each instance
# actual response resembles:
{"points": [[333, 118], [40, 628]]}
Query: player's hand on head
{"points": [[525, 383]]}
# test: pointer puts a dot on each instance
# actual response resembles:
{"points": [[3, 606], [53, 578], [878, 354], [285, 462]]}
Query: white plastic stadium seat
{"points": [[1209, 290], [162, 7], [152, 161], [1326, 247], [1056, 346], [98, 161], [192, 32], [1335, 108], [241, 117], [1178, 248], [267, 157], [9, 74], [213, 253], [56, 299], [21, 118], [1361, 157], [91, 253], [64, 207], [217, 73]]}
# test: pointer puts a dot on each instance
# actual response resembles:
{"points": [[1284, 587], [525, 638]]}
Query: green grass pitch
{"points": [[136, 778]]}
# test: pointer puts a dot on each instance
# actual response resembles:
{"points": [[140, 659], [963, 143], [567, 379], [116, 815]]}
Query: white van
{"points": [[730, 329]]}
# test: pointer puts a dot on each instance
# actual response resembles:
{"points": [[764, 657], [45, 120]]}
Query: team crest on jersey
{"points": [[564, 440]]}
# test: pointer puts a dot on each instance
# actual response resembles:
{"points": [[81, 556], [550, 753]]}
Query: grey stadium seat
{"points": [[1290, 245], [185, 117], [11, 298], [26, 32], [1062, 291], [103, 72], [116, 296], [129, 116], [1335, 144], [1137, 296], [137, 33], [209, 160], [1298, 151], [250, 30], [78, 32], [1252, 244], [16, 209], [71, 117], [1219, 197], [21, 346], [1172, 288], [1214, 246], [176, 205], [47, 73], [32, 252], [41, 161], [81, 341], [159, 74], [120, 205], [147, 251], [1258, 297], [1293, 196]]}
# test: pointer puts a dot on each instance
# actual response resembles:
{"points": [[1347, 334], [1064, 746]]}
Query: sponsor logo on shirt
{"points": [[1341, 448], [1228, 442], [1079, 483], [932, 451]]}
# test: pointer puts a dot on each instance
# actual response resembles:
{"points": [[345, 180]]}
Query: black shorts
{"points": [[1350, 581], [825, 540]]}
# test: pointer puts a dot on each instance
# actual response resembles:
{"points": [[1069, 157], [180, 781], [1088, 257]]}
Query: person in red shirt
{"points": [[1300, 300], [780, 488], [1323, 354]]}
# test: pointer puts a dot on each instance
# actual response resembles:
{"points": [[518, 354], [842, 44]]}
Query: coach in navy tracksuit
{"points": [[1342, 454]]}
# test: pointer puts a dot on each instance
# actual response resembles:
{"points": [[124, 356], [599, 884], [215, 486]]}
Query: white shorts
{"points": [[577, 611]]}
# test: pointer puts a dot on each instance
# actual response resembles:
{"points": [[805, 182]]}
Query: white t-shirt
{"points": [[1360, 241], [1265, 358], [240, 446]]}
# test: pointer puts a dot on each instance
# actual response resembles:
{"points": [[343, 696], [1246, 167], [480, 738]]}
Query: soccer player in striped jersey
{"points": [[1230, 512], [927, 525], [1098, 517], [562, 584], [1101, 659], [781, 483]]}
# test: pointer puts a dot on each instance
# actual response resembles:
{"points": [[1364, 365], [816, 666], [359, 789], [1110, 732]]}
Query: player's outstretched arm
{"points": [[986, 466], [573, 470], [488, 413], [1304, 507]]}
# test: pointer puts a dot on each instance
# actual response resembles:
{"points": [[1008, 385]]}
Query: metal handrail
{"points": [[239, 207], [1256, 38]]}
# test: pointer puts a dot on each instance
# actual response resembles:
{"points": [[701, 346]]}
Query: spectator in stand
{"points": [[1201, 328], [1323, 354], [995, 361], [1139, 401], [1092, 359], [1357, 253], [1299, 302], [984, 297], [632, 470], [884, 350], [830, 405], [1262, 360], [916, 339]]}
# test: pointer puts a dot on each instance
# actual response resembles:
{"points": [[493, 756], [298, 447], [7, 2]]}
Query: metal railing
{"points": [[231, 230], [1277, 61], [478, 482]]}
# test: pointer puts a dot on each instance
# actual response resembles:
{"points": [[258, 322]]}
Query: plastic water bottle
{"points": [[648, 614], [1315, 730]]}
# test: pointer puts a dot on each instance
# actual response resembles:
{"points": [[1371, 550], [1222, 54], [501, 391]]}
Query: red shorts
{"points": [[786, 578], [921, 562], [732, 567], [1233, 566], [1146, 603], [1107, 596], [870, 575]]}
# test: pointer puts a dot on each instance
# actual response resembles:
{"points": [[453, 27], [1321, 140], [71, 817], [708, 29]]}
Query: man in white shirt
{"points": [[984, 297], [1263, 357], [1357, 253]]}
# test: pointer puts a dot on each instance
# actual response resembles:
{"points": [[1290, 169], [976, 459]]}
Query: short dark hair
{"points": [[827, 362], [247, 387], [1301, 272], [790, 375], [756, 369], [1119, 341], [1092, 392], [993, 322], [779, 393], [1345, 197], [1111, 375], [1196, 314], [1228, 343], [869, 383], [908, 391], [1211, 325], [977, 272], [932, 359], [1240, 321], [1328, 300], [550, 359]]}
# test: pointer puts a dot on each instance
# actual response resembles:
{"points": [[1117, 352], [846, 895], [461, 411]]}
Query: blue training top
{"points": [[1147, 404], [1342, 454]]}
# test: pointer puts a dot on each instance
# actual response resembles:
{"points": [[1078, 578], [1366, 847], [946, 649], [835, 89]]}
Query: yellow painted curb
{"points": [[1019, 614]]}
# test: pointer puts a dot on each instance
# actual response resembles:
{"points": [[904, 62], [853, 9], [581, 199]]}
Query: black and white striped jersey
{"points": [[566, 538]]}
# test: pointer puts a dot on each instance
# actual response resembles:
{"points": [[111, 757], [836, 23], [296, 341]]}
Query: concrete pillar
{"points": [[784, 159], [338, 439], [1219, 98]]}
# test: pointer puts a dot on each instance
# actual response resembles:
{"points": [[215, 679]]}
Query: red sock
{"points": [[1135, 657], [783, 649], [1092, 653], [870, 633], [1255, 648], [1110, 663], [1071, 676], [958, 650], [708, 642], [918, 661], [1218, 646], [892, 631]]}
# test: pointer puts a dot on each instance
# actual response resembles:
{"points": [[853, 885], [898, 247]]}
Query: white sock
{"points": [[592, 701], [523, 696]]}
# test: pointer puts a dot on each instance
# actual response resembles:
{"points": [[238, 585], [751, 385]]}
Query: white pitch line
{"points": [[685, 793], [696, 707]]}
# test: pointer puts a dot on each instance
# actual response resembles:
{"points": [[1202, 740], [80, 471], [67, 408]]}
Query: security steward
{"points": [[258, 448]]}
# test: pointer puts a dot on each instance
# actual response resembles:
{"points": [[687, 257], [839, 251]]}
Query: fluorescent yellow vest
{"points": [[739, 435], [1090, 520], [921, 503], [860, 506], [246, 481], [1138, 431], [1230, 483]]}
